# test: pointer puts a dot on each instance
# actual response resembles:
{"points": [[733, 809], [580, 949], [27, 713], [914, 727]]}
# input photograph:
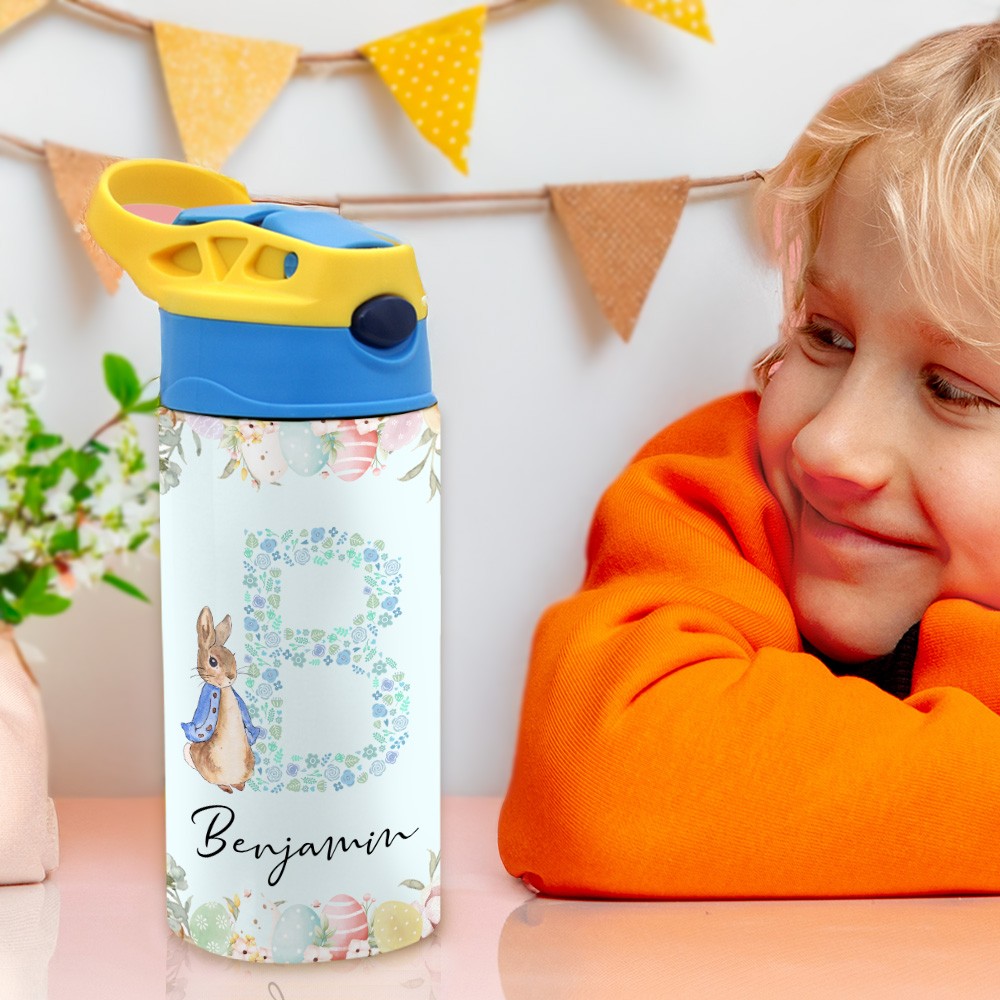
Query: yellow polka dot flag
{"points": [[12, 11], [75, 173], [621, 232], [688, 15], [433, 72], [219, 86]]}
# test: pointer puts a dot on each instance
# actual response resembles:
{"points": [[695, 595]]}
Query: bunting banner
{"points": [[433, 72], [219, 86], [75, 173], [688, 15], [620, 232], [12, 11]]}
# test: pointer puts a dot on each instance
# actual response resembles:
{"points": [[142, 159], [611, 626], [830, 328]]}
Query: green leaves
{"points": [[55, 533], [35, 600], [64, 542], [121, 380], [125, 387], [123, 585]]}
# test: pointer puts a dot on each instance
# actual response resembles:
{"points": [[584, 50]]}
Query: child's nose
{"points": [[848, 447]]}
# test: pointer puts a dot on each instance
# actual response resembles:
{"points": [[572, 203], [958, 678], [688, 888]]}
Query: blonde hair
{"points": [[935, 113]]}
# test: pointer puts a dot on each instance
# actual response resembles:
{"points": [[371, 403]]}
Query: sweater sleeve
{"points": [[676, 743], [960, 647]]}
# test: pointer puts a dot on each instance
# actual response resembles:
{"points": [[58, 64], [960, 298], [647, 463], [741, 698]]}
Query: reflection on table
{"points": [[113, 940], [414, 972], [937, 947], [496, 941]]}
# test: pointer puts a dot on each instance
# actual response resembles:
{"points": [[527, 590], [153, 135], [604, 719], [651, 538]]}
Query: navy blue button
{"points": [[384, 321]]}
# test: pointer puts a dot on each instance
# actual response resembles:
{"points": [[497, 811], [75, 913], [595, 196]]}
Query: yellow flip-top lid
{"points": [[231, 269]]}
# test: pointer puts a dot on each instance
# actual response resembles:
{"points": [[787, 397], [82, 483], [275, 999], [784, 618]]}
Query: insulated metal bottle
{"points": [[299, 451]]}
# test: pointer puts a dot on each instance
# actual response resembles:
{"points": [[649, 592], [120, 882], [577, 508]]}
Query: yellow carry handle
{"points": [[233, 270]]}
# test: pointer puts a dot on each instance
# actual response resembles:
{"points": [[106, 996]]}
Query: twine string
{"points": [[455, 198], [305, 59]]}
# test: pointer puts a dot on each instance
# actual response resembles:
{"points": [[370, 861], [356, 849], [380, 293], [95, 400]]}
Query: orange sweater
{"points": [[675, 742]]}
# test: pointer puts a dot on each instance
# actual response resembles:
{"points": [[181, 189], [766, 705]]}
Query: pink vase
{"points": [[29, 845]]}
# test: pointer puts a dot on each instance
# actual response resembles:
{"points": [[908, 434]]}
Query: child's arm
{"points": [[960, 647], [675, 744]]}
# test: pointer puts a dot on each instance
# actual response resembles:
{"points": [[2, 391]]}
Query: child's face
{"points": [[880, 438]]}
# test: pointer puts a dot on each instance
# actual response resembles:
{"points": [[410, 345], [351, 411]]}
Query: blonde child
{"points": [[782, 672]]}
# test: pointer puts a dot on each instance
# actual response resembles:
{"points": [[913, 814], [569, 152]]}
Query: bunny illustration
{"points": [[221, 732]]}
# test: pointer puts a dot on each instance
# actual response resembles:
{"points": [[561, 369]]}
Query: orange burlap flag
{"points": [[12, 11], [688, 15], [219, 86], [433, 72], [621, 232], [75, 173]]}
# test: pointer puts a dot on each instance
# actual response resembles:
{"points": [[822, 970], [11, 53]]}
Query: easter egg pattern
{"points": [[355, 455], [205, 426], [396, 925], [296, 930], [211, 928], [262, 450], [348, 922], [400, 430], [303, 451]]}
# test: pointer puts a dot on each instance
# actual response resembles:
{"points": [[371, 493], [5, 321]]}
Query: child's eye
{"points": [[951, 393], [825, 337]]}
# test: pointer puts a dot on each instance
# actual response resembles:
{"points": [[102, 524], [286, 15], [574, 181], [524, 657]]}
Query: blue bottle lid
{"points": [[368, 358]]}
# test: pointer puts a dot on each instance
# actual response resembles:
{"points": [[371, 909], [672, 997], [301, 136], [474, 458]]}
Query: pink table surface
{"points": [[97, 929]]}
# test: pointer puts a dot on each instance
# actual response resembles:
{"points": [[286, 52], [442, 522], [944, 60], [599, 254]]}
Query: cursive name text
{"points": [[219, 819]]}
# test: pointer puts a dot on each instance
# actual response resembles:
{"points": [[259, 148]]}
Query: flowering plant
{"points": [[65, 512]]}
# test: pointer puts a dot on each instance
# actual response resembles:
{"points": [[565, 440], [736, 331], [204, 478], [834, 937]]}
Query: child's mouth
{"points": [[844, 533]]}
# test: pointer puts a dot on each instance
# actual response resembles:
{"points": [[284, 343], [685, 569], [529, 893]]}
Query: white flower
{"points": [[429, 906], [57, 503], [365, 425], [321, 427], [9, 457], [13, 422], [11, 548], [358, 949], [33, 379], [20, 546], [88, 569]]}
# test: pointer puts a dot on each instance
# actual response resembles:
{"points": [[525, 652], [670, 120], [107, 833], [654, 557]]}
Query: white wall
{"points": [[543, 404]]}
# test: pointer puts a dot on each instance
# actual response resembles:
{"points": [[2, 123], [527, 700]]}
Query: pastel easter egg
{"points": [[262, 450], [296, 930], [205, 427], [258, 917], [396, 925], [303, 451], [348, 923], [211, 928], [256, 428], [355, 453], [400, 429]]}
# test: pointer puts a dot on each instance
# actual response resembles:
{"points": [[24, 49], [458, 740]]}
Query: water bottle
{"points": [[299, 450]]}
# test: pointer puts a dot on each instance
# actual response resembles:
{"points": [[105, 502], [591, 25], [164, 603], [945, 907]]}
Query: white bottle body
{"points": [[320, 539]]}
